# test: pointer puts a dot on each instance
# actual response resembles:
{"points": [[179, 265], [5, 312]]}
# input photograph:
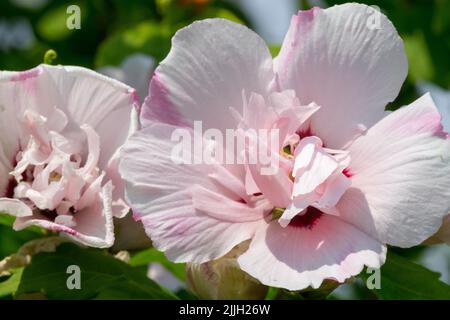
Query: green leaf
{"points": [[420, 62], [143, 258], [403, 279], [102, 276], [6, 219], [146, 37], [10, 286], [11, 240], [272, 293], [274, 51]]}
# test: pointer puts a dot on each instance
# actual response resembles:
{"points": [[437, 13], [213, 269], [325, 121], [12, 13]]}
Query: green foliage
{"points": [[146, 37], [52, 25], [403, 279], [144, 258], [6, 219], [10, 240], [102, 276], [9, 287]]}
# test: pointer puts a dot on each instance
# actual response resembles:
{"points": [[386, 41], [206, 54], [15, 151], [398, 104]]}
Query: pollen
{"points": [[54, 177]]}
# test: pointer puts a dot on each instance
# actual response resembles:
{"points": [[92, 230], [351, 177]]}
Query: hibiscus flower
{"points": [[62, 128], [349, 178]]}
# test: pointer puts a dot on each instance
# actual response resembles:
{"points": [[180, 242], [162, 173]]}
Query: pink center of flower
{"points": [[307, 220], [309, 179], [320, 177], [56, 173]]}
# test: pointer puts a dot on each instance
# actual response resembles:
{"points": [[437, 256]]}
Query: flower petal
{"points": [[295, 258], [209, 66], [84, 95], [400, 176], [14, 207], [171, 199], [100, 102], [442, 99], [350, 67], [94, 224]]}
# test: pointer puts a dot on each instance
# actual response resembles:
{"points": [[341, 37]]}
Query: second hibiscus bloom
{"points": [[62, 128]]}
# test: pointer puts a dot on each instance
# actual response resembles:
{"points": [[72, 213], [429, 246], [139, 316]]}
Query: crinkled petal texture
{"points": [[67, 110], [192, 212], [335, 58], [209, 66], [401, 176]]}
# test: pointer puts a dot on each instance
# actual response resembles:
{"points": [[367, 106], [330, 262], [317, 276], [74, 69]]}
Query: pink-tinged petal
{"points": [[90, 98], [95, 222], [119, 207], [304, 153], [173, 202], [90, 195], [400, 176], [295, 258], [158, 107], [256, 115], [339, 60], [20, 91], [93, 145], [209, 66], [83, 95], [333, 190], [297, 206], [309, 178], [41, 221], [14, 207], [222, 208], [276, 187], [442, 99], [92, 226]]}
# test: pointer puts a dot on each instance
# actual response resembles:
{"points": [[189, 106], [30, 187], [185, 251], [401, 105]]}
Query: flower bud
{"points": [[222, 279]]}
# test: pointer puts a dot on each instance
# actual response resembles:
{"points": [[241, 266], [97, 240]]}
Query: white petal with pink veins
{"points": [[211, 62], [295, 258], [334, 58], [401, 174]]}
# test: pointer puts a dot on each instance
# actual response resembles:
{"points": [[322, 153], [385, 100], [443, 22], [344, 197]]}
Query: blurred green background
{"points": [[111, 30]]}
